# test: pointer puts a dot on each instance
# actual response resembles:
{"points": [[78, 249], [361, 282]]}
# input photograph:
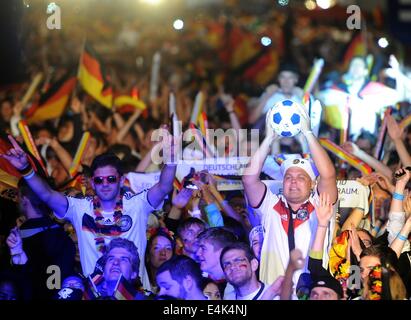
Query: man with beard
{"points": [[240, 265], [180, 277]]}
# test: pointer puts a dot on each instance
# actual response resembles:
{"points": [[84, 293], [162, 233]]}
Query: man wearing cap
{"points": [[289, 219], [326, 288]]}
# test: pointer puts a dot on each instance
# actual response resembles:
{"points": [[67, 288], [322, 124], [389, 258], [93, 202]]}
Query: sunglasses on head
{"points": [[109, 179]]}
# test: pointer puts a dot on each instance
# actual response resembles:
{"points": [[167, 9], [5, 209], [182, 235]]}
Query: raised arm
{"points": [[395, 133], [15, 244], [126, 127], [370, 160], [169, 146], [64, 156], [295, 263], [398, 231], [257, 112], [326, 169], [253, 187], [18, 158]]}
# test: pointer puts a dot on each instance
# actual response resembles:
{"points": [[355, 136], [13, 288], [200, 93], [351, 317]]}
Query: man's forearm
{"points": [[402, 152], [374, 163], [257, 160], [322, 161]]}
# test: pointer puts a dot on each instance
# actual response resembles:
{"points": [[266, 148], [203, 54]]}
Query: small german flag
{"points": [[52, 103], [92, 77], [124, 290]]}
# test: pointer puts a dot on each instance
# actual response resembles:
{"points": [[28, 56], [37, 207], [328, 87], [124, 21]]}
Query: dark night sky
{"points": [[11, 67]]}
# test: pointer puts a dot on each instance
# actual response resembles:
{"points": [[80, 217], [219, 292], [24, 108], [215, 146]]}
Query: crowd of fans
{"points": [[109, 241]]}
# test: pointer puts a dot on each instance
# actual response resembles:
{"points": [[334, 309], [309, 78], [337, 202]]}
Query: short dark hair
{"points": [[38, 205], [190, 222], [180, 267], [288, 66], [366, 135], [129, 246], [107, 159], [237, 246], [219, 237]]}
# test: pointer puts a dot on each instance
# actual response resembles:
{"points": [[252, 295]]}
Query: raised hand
{"points": [[403, 176], [76, 105], [274, 289], [16, 156], [354, 241], [368, 180], [170, 146], [269, 131], [306, 121], [384, 182], [181, 199], [324, 209], [351, 147], [296, 259], [15, 242], [394, 130]]}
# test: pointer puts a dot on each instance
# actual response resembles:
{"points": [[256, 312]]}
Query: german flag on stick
{"points": [[200, 139], [124, 290], [198, 107], [28, 140], [33, 86], [344, 155], [124, 100], [53, 102], [92, 77], [79, 154]]}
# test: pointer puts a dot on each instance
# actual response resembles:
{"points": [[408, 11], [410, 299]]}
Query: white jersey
{"points": [[273, 212], [136, 209]]}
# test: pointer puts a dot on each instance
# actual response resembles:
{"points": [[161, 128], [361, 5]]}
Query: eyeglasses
{"points": [[236, 262], [109, 179]]}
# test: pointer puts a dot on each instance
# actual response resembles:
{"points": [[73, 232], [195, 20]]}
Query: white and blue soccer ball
{"points": [[285, 118]]}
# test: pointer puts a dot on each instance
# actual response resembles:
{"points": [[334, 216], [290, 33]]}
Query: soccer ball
{"points": [[285, 118]]}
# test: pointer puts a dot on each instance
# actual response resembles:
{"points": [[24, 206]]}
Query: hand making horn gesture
{"points": [[16, 155]]}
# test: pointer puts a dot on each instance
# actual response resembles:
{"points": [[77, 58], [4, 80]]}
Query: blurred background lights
{"points": [[265, 41], [51, 7], [325, 4], [282, 2], [310, 4], [178, 24], [383, 42], [153, 2]]}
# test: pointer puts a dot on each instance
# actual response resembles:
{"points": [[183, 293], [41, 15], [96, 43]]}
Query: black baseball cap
{"points": [[327, 282]]}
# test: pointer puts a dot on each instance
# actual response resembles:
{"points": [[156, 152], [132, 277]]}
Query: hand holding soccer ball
{"points": [[288, 118]]}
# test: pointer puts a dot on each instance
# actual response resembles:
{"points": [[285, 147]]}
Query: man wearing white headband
{"points": [[289, 220]]}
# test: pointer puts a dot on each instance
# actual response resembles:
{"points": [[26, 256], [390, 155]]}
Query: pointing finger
{"points": [[14, 143]]}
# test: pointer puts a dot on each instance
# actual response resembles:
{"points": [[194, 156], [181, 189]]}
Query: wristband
{"points": [[26, 170], [377, 228], [30, 175], [401, 237], [398, 196], [321, 226], [195, 213]]}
